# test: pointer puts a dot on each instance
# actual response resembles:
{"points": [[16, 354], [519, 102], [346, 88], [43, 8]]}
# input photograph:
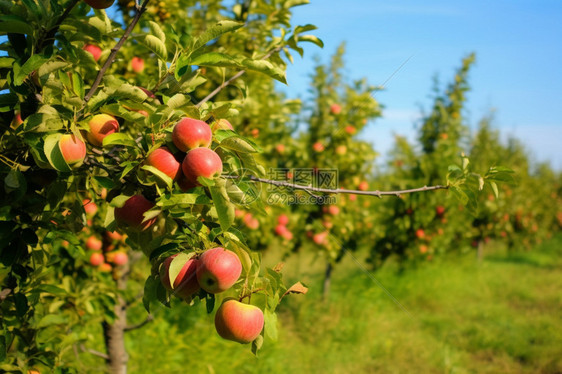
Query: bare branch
{"points": [[114, 51], [232, 79], [94, 352], [376, 193], [139, 325]]}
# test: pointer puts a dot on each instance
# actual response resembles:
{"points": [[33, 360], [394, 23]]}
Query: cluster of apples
{"points": [[103, 256], [281, 229], [72, 146], [248, 218], [215, 271]]}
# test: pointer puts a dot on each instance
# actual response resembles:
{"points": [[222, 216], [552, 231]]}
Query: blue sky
{"points": [[518, 73]]}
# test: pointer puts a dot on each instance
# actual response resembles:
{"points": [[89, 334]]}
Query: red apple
{"points": [[191, 133], [281, 230], [318, 147], [113, 236], [287, 235], [120, 258], [137, 64], [239, 322], [99, 4], [221, 124], [93, 243], [283, 219], [280, 148], [440, 210], [335, 109], [420, 234], [363, 186], [218, 270], [132, 213], [96, 259], [94, 50], [73, 149], [255, 132], [341, 150], [165, 161], [89, 207], [423, 248], [333, 210], [201, 162], [105, 267], [350, 129], [101, 125], [185, 283], [321, 238]]}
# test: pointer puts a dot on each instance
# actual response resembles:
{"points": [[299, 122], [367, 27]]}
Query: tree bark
{"points": [[327, 281]]}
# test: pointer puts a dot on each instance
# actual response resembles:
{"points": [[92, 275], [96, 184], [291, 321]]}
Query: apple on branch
{"points": [[239, 322], [165, 161], [201, 162], [218, 269], [132, 213], [101, 125], [191, 133], [185, 284], [73, 149]]}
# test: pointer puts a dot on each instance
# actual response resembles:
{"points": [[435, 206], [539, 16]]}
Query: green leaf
{"points": [[225, 210], [6, 62], [215, 31], [257, 344], [52, 319], [15, 25], [215, 59], [265, 67], [156, 45], [495, 189], [239, 144], [210, 302], [311, 39], [149, 294], [128, 91], [163, 249], [50, 66], [177, 264], [53, 153], [118, 138], [33, 63], [162, 176], [270, 326], [157, 31], [459, 194]]}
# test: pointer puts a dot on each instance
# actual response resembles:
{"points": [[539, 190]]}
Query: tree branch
{"points": [[52, 31], [376, 193], [139, 325], [232, 79], [114, 51], [94, 352]]}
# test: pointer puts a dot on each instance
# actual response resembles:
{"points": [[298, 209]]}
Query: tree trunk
{"points": [[114, 334], [327, 281]]}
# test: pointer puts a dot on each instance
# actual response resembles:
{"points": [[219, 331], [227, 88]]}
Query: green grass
{"points": [[503, 315]]}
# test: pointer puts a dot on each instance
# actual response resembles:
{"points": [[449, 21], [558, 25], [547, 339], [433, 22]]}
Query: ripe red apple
{"points": [[113, 236], [120, 258], [218, 269], [201, 162], [280, 148], [363, 186], [423, 248], [96, 259], [105, 267], [350, 129], [318, 147], [99, 4], [321, 238], [101, 125], [94, 50], [137, 64], [165, 161], [420, 234], [281, 230], [185, 284], [239, 322], [283, 219], [333, 210], [73, 149], [287, 235], [239, 213], [352, 197], [221, 124], [93, 243], [131, 213], [255, 132], [191, 133], [440, 210], [335, 109], [89, 207]]}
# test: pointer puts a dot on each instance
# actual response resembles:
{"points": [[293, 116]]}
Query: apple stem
{"points": [[114, 51], [308, 189]]}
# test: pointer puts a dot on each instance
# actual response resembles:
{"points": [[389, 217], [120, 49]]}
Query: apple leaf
{"points": [[297, 288], [162, 176], [270, 319], [149, 292], [257, 344], [118, 138], [210, 302], [239, 144], [225, 210], [177, 264], [54, 154], [215, 31]]}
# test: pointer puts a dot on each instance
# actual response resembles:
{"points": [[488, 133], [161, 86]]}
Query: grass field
{"points": [[503, 315]]}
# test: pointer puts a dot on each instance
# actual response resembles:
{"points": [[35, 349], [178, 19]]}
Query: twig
{"points": [[232, 79], [376, 193], [94, 352], [114, 51], [139, 325], [250, 294]]}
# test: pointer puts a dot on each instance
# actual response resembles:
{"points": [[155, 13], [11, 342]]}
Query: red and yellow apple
{"points": [[93, 243], [420, 234], [218, 269], [239, 322], [201, 162], [335, 109], [94, 50], [318, 147], [185, 284], [190, 133], [363, 186], [73, 149], [96, 259], [89, 207], [132, 213], [101, 125], [165, 161]]}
